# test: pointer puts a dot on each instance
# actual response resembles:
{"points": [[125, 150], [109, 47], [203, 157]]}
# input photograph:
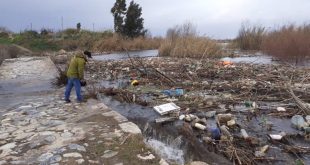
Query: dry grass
{"points": [[289, 43], [117, 43], [249, 37], [183, 41]]}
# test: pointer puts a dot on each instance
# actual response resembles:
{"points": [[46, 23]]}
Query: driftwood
{"points": [[305, 107]]}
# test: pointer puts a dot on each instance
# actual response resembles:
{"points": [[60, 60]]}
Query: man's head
{"points": [[88, 54]]}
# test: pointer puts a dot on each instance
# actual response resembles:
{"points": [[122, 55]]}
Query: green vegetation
{"points": [[75, 39], [130, 26], [118, 11], [183, 41], [5, 41]]}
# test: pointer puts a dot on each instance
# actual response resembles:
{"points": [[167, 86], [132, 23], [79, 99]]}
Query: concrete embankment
{"points": [[37, 127]]}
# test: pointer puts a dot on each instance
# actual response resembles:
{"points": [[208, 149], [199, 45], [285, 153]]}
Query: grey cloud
{"points": [[216, 18]]}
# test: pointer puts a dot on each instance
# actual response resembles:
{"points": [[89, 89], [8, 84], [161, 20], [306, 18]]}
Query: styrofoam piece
{"points": [[281, 109], [166, 108], [276, 137]]}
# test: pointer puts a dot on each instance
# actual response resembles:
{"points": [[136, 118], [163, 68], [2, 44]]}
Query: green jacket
{"points": [[76, 67]]}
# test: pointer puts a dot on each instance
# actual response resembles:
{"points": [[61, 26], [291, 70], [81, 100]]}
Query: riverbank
{"points": [[37, 127]]}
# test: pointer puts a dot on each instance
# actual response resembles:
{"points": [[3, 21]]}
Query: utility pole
{"points": [[93, 27], [31, 26], [62, 23]]}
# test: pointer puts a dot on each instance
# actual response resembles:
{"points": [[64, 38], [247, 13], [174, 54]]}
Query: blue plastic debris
{"points": [[173, 92]]}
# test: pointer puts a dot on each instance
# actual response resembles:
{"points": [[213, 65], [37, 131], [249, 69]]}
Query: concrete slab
{"points": [[130, 127]]}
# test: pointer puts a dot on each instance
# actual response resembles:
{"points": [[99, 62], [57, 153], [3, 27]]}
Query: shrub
{"points": [[117, 43], [69, 33], [30, 34], [4, 35], [249, 37], [46, 32], [183, 41], [289, 43]]}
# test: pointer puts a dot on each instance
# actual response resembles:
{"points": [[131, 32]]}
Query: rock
{"points": [[21, 136], [223, 118], [308, 119], [59, 150], [307, 130], [109, 154], [8, 146], [118, 117], [52, 123], [298, 122], [93, 161], [210, 114], [92, 139], [55, 159], [72, 155], [66, 135], [198, 163], [76, 147], [41, 141], [25, 107], [163, 162], [3, 162], [130, 127], [4, 136], [80, 161], [62, 51], [45, 157], [18, 162], [147, 157], [6, 120], [99, 106]]}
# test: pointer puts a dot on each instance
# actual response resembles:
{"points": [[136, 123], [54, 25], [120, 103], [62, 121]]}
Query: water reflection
{"points": [[123, 55]]}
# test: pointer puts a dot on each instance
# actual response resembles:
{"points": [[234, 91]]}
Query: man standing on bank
{"points": [[75, 75]]}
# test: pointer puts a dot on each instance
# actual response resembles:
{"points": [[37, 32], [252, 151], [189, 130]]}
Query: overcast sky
{"points": [[214, 18]]}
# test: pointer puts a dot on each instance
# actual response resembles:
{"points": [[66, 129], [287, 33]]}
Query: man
{"points": [[75, 75]]}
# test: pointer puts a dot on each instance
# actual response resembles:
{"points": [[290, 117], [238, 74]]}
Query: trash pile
{"points": [[252, 114]]}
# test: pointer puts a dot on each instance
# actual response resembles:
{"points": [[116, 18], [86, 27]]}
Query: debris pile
{"points": [[243, 111]]}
